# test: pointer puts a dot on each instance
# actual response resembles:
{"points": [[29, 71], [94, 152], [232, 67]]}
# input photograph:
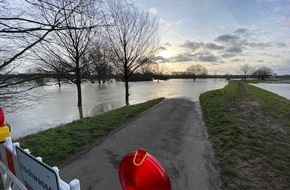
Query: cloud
{"points": [[214, 46], [272, 55], [170, 23], [192, 45], [227, 38], [184, 57], [161, 59], [153, 10], [281, 44], [257, 44], [225, 48], [162, 48], [235, 50], [197, 45], [228, 55], [241, 31], [168, 44], [205, 57], [237, 60]]}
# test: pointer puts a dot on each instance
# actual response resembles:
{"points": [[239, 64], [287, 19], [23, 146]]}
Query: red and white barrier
{"points": [[28, 172]]}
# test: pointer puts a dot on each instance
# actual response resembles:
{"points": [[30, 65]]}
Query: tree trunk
{"points": [[127, 90], [79, 86], [79, 90], [58, 81], [81, 113]]}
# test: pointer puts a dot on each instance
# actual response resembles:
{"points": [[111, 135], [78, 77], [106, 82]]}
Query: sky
{"points": [[222, 35]]}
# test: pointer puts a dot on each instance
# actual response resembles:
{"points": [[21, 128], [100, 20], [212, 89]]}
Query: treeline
{"points": [[74, 41]]}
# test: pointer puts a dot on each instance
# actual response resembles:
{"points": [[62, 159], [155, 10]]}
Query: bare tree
{"points": [[263, 73], [132, 40], [23, 25], [158, 69], [196, 70], [246, 69], [65, 52], [101, 67]]}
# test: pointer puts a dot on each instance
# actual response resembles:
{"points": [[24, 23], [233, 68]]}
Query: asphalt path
{"points": [[172, 131]]}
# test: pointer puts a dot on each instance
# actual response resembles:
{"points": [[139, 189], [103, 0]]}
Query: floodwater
{"points": [[280, 89], [58, 105]]}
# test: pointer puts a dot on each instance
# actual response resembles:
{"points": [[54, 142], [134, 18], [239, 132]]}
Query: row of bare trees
{"points": [[75, 39], [262, 73]]}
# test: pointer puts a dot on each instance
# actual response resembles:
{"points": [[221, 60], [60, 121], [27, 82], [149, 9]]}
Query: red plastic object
{"points": [[1, 117], [141, 171]]}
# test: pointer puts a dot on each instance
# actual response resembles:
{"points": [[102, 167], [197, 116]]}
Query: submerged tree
{"points": [[132, 40], [196, 70], [100, 65], [65, 52], [263, 73], [246, 69]]}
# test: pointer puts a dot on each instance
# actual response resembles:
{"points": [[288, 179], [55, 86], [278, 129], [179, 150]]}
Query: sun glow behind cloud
{"points": [[166, 54], [222, 34]]}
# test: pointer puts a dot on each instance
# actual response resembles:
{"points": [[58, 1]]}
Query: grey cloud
{"points": [[185, 57], [205, 57], [197, 45], [227, 38], [162, 48], [272, 55], [234, 50], [214, 46], [168, 44], [281, 44], [200, 56], [161, 59], [237, 59], [228, 55], [192, 45], [261, 60], [241, 30], [257, 44]]}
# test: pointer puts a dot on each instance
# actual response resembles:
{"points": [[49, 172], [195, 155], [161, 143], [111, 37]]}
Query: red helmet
{"points": [[141, 171]]}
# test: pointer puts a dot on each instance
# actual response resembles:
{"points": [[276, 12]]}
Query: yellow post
{"points": [[4, 128], [4, 133]]}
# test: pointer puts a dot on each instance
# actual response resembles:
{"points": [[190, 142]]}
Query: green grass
{"points": [[250, 132], [58, 144]]}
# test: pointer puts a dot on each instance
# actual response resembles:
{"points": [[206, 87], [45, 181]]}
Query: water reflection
{"points": [[58, 105]]}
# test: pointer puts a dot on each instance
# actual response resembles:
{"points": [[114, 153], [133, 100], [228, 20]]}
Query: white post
{"points": [[75, 185]]}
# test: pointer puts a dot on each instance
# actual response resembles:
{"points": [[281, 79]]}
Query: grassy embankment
{"points": [[57, 145], [250, 132]]}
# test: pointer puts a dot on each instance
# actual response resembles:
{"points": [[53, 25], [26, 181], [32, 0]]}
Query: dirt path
{"points": [[172, 131]]}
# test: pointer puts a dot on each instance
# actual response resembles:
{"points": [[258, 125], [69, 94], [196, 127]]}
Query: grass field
{"points": [[57, 145], [250, 132]]}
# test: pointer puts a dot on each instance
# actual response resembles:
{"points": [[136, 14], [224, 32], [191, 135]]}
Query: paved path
{"points": [[172, 131]]}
